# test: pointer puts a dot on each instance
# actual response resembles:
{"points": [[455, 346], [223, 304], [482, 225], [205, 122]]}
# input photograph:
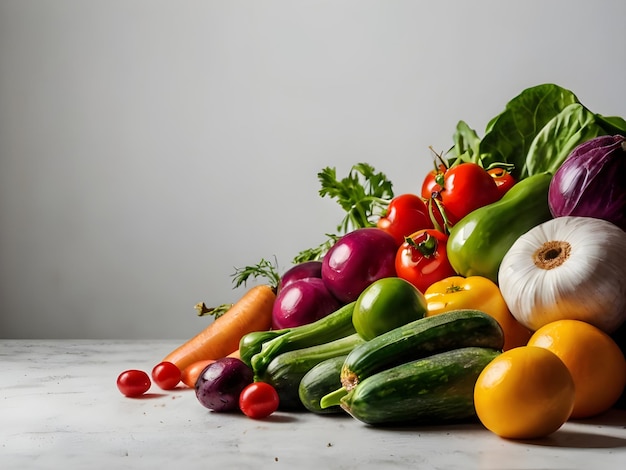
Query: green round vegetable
{"points": [[387, 304]]}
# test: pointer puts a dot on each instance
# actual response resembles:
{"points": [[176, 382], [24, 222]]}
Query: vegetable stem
{"points": [[216, 312], [333, 398], [552, 254]]}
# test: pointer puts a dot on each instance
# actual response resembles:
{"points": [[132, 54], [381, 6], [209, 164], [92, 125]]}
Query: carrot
{"points": [[190, 374], [252, 312]]}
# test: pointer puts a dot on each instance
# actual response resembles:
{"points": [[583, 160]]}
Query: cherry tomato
{"points": [[166, 375], [422, 259], [504, 180], [405, 214], [258, 400], [466, 187], [133, 383], [431, 180]]}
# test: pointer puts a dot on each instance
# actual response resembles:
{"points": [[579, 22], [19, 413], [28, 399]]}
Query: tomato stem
{"points": [[431, 212], [426, 247], [505, 167]]}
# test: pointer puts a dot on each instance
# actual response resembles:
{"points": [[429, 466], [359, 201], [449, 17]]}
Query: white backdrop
{"points": [[149, 147]]}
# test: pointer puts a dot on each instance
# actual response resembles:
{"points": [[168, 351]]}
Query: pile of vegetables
{"points": [[393, 317]]}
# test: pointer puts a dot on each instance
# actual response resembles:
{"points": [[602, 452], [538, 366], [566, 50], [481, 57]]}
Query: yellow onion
{"points": [[569, 267]]}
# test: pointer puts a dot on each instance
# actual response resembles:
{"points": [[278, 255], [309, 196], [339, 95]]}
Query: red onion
{"points": [[591, 182]]}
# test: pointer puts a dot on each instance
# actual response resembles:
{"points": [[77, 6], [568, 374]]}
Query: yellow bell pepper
{"points": [[479, 293]]}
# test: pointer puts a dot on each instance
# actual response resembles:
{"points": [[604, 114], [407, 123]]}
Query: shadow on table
{"points": [[573, 436], [580, 438], [565, 438]]}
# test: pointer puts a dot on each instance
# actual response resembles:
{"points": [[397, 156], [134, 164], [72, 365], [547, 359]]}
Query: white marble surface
{"points": [[60, 408]]}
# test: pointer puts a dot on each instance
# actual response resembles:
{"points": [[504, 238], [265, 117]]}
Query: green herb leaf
{"points": [[363, 194], [263, 269], [317, 253]]}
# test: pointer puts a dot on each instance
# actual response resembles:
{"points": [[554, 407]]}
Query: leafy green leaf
{"points": [[466, 144], [572, 126], [510, 134], [612, 124], [360, 194]]}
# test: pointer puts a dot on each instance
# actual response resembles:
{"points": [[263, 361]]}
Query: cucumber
{"points": [[286, 370], [251, 343], [334, 326], [437, 389], [450, 330], [319, 381]]}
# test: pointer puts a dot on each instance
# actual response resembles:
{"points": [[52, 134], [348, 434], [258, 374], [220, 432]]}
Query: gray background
{"points": [[149, 147]]}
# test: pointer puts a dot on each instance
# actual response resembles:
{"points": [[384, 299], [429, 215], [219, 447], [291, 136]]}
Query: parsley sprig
{"points": [[363, 194]]}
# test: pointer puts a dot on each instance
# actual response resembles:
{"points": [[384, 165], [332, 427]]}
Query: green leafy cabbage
{"points": [[535, 133]]}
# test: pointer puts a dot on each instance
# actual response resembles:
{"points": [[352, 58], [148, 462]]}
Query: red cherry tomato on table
{"points": [[422, 259], [258, 400], [405, 214], [504, 180], [466, 187], [133, 383], [166, 375]]}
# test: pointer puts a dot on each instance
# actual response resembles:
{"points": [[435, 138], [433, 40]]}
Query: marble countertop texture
{"points": [[60, 408]]}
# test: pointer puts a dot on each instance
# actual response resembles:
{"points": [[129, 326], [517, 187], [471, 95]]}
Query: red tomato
{"points": [[466, 187], [431, 180], [166, 375], [406, 213], [422, 259], [504, 180], [258, 400], [133, 383]]}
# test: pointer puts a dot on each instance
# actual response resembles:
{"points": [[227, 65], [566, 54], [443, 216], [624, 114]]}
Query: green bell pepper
{"points": [[479, 241]]}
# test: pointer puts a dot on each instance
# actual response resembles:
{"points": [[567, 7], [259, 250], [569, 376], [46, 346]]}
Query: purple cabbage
{"points": [[591, 182]]}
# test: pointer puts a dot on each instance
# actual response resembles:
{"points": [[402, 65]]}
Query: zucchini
{"points": [[251, 343], [433, 390], [318, 382], [286, 370], [334, 326], [420, 338]]}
